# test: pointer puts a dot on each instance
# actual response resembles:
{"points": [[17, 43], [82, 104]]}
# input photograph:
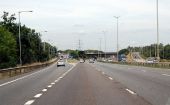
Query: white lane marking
{"points": [[144, 70], [38, 95], [49, 86], [29, 102], [57, 80], [52, 83], [130, 91], [60, 77], [22, 77], [103, 73], [110, 78], [63, 75], [44, 90], [166, 75]]}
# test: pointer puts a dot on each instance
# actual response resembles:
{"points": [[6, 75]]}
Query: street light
{"points": [[157, 30], [117, 17], [104, 33], [41, 44], [20, 49]]}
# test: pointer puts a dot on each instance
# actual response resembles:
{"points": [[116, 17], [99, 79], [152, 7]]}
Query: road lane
{"points": [[84, 85], [18, 92], [146, 82]]}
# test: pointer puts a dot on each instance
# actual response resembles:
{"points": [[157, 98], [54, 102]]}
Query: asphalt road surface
{"points": [[19, 89], [153, 84], [85, 85], [88, 84]]}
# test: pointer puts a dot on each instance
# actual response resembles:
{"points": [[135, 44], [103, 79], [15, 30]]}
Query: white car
{"points": [[81, 61], [60, 63], [149, 61]]}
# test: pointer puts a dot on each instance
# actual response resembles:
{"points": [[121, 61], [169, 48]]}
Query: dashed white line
{"points": [[52, 83], [44, 90], [57, 80], [49, 86], [144, 70], [166, 75], [60, 77], [63, 75], [103, 73], [38, 95], [110, 78], [131, 92], [29, 102]]}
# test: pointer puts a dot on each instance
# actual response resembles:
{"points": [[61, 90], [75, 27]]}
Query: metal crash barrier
{"points": [[9, 72]]}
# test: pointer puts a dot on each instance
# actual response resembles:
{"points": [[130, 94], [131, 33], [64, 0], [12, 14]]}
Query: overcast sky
{"points": [[67, 21]]}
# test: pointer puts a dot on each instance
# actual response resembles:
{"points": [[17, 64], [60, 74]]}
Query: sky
{"points": [[68, 21]]}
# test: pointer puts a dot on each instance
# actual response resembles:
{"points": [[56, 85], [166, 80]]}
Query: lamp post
{"points": [[117, 17], [20, 48], [157, 6], [104, 33], [40, 44], [43, 42]]}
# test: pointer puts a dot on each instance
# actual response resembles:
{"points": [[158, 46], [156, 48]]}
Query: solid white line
{"points": [[130, 91], [38, 95], [166, 75], [49, 86], [110, 78], [44, 90], [29, 102], [22, 77]]}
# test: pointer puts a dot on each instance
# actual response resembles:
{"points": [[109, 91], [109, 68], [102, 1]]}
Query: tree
{"points": [[7, 49], [124, 51], [31, 44]]}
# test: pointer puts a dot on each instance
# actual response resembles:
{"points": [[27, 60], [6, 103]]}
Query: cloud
{"points": [[66, 19]]}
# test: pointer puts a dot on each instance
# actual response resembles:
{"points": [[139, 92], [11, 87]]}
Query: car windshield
{"points": [[84, 52]]}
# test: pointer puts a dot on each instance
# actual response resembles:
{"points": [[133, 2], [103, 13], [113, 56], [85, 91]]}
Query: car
{"points": [[110, 60], [91, 61], [149, 61], [81, 61], [60, 63]]}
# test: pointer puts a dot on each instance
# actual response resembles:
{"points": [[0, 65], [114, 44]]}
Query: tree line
{"points": [[150, 51], [33, 49]]}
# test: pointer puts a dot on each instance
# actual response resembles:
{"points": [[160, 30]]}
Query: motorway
{"points": [[88, 84]]}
